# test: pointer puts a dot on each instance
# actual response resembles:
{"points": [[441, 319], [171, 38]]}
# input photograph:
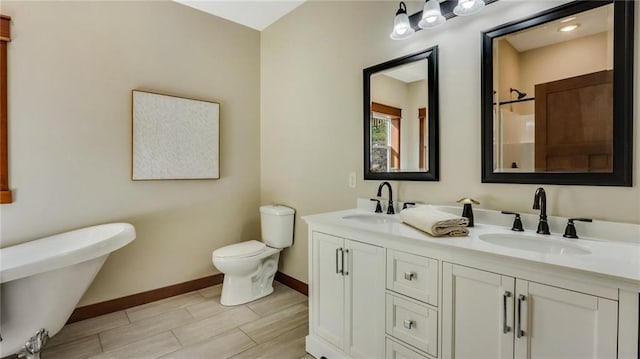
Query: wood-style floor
{"points": [[192, 325]]}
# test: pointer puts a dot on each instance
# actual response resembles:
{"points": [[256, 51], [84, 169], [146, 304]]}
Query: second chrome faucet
{"points": [[390, 204]]}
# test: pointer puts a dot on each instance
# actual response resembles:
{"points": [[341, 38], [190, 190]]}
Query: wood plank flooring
{"points": [[191, 326]]}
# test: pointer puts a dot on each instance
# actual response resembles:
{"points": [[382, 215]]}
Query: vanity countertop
{"points": [[617, 259]]}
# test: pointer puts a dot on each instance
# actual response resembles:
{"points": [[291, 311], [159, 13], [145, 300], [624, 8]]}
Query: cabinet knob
{"points": [[408, 324], [409, 275]]}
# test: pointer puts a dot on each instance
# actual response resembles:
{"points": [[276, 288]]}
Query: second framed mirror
{"points": [[557, 96], [401, 118]]}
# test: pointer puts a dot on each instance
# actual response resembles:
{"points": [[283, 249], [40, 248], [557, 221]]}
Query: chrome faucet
{"points": [[390, 204], [540, 202]]}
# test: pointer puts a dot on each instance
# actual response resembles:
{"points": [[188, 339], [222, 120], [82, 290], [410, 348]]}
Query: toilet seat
{"points": [[240, 250]]}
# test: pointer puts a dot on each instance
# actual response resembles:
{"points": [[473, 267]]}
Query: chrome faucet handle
{"points": [[378, 206], [407, 204], [570, 230], [517, 222]]}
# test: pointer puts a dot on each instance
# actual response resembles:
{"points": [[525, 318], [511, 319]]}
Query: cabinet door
{"points": [[477, 319], [559, 323], [328, 289], [364, 272]]}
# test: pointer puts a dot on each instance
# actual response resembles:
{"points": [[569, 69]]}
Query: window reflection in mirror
{"points": [[553, 95], [398, 127]]}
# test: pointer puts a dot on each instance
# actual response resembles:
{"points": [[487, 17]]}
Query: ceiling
{"points": [[256, 14], [591, 22], [408, 73]]}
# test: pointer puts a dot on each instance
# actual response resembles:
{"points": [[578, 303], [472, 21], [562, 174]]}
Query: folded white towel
{"points": [[435, 222]]}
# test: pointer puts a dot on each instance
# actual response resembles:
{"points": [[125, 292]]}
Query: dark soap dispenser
{"points": [[467, 211]]}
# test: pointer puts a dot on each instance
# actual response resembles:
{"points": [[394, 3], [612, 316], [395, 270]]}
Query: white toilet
{"points": [[249, 267]]}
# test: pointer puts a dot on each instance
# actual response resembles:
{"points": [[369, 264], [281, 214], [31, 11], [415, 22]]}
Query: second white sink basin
{"points": [[372, 218], [533, 244]]}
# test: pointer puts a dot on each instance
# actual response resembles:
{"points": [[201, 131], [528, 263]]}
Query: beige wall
{"points": [[563, 60], [508, 63], [311, 116], [389, 91], [72, 67], [417, 93]]}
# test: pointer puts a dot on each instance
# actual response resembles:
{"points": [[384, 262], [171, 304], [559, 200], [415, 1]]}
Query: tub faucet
{"points": [[390, 204], [540, 202]]}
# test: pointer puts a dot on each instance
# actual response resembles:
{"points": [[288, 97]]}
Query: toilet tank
{"points": [[277, 225]]}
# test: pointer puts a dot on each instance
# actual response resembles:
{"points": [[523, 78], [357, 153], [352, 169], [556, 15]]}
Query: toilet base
{"points": [[238, 290]]}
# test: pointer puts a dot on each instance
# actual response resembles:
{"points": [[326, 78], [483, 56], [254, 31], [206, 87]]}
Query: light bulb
{"points": [[401, 26], [431, 15], [568, 28], [468, 7]]}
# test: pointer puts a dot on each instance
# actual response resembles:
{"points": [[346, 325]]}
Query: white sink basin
{"points": [[533, 244], [372, 218]]}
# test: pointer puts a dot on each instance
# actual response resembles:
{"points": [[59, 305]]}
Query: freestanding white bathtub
{"points": [[42, 281]]}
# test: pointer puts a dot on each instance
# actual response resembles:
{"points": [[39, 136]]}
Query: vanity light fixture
{"points": [[431, 15], [468, 7], [434, 13], [568, 28], [401, 26]]}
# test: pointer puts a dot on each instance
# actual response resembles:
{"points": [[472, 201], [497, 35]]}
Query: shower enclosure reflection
{"points": [[553, 101]]}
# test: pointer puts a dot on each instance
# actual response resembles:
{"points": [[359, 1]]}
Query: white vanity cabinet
{"points": [[381, 289], [348, 297], [490, 315]]}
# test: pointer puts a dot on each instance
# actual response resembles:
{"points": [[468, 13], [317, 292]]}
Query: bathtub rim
{"points": [[73, 250]]}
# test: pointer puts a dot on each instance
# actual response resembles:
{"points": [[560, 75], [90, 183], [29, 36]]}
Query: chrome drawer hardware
{"points": [[409, 324], [409, 275], [519, 332], [505, 327], [345, 270]]}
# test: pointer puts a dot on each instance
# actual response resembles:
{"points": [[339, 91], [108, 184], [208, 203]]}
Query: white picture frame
{"points": [[174, 137]]}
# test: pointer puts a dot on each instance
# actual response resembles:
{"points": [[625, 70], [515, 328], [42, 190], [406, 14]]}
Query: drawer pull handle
{"points": [[505, 328], [409, 324], [519, 332], [409, 275], [345, 270]]}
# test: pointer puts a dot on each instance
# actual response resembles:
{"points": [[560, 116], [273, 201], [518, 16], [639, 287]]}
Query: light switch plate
{"points": [[352, 180]]}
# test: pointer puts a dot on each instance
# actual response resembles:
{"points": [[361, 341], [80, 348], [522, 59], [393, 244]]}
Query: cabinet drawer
{"points": [[412, 275], [396, 350], [413, 322]]}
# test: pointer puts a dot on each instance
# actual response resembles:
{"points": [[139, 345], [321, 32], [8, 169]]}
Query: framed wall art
{"points": [[174, 137]]}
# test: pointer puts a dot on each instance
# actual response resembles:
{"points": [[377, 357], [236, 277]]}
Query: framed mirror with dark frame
{"points": [[401, 140], [557, 96]]}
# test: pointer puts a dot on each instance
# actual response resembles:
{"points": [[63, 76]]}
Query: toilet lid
{"points": [[242, 249]]}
